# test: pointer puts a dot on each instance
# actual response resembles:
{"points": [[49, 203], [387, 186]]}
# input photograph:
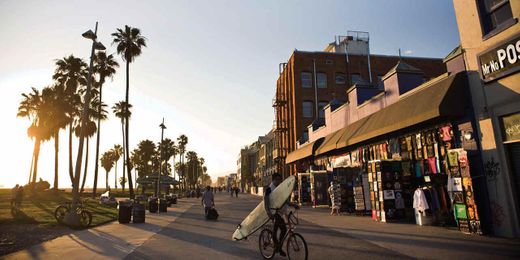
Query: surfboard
{"points": [[258, 217]]}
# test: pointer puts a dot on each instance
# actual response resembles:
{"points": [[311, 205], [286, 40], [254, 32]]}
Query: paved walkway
{"points": [[110, 241], [183, 233], [423, 242]]}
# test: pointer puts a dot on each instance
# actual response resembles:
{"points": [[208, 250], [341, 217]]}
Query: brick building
{"points": [[310, 80]]}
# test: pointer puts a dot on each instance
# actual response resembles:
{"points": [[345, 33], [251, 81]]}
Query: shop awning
{"points": [[445, 98], [329, 143], [303, 152]]}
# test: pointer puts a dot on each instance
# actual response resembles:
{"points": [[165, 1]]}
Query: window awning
{"points": [[303, 152], [446, 98]]}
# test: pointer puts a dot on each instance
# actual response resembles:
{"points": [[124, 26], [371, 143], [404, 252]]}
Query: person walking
{"points": [[232, 191], [18, 198], [237, 190], [14, 191], [208, 201]]}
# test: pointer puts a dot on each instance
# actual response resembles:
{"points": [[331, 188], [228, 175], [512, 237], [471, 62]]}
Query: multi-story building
{"points": [[490, 47], [221, 181], [266, 166], [232, 180], [308, 81]]}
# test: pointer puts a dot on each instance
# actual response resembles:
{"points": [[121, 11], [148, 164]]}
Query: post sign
{"points": [[501, 60], [511, 127]]}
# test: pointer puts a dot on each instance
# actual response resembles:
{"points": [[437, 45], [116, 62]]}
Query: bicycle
{"points": [[85, 216], [296, 247]]}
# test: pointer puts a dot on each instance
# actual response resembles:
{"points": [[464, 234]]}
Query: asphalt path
{"points": [[190, 236]]}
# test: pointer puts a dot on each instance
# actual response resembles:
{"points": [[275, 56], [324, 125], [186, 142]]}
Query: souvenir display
{"points": [[418, 166]]}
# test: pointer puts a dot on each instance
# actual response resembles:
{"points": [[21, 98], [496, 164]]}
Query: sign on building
{"points": [[501, 60]]}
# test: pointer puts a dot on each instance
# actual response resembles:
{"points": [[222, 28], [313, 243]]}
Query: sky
{"points": [[210, 68]]}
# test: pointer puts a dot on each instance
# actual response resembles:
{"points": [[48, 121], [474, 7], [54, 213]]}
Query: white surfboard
{"points": [[258, 217]]}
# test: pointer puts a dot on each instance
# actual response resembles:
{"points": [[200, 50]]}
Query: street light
{"points": [[72, 218], [162, 126]]}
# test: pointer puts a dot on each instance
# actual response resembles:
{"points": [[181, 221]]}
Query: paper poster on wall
{"points": [[389, 194]]}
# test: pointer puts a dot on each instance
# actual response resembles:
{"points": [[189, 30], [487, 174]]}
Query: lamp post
{"points": [[72, 218], [162, 126]]}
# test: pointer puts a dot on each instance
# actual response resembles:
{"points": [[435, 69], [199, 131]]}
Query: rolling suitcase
{"points": [[212, 214]]}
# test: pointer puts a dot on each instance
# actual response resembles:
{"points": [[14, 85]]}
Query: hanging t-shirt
{"points": [[419, 200], [432, 164], [419, 169], [446, 133]]}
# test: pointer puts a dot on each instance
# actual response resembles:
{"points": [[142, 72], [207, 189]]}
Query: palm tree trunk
{"points": [[71, 172], [115, 177], [106, 181], [130, 183], [56, 150], [124, 162], [85, 170], [36, 153], [96, 165], [31, 169]]}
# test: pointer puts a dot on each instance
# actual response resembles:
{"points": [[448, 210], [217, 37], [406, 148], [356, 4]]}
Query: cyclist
{"points": [[278, 215]]}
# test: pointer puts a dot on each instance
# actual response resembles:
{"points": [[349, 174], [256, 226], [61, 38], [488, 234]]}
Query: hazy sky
{"points": [[210, 67]]}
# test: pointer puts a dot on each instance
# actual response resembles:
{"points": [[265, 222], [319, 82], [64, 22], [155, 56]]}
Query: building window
{"points": [[494, 13], [306, 80], [321, 105], [322, 80], [305, 136], [356, 78], [340, 78], [307, 109]]}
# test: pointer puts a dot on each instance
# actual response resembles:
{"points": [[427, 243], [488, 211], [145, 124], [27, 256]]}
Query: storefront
{"points": [[409, 162]]}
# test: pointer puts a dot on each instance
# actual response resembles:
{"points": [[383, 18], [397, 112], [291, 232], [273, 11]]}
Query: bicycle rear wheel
{"points": [[266, 244], [59, 213], [297, 247], [85, 218]]}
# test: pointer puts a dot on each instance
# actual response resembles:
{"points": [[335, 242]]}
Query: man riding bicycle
{"points": [[279, 214]]}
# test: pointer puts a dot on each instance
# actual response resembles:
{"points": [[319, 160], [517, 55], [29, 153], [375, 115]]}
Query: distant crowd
{"points": [[197, 192]]}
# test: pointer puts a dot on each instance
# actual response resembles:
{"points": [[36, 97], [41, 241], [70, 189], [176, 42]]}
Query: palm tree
{"points": [[192, 158], [201, 165], [147, 152], [59, 120], [90, 130], [175, 151], [105, 66], [182, 141], [34, 108], [107, 162], [71, 72], [129, 44], [166, 149], [122, 111], [117, 151]]}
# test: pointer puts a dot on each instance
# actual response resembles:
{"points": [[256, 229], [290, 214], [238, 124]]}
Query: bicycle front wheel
{"points": [[297, 247], [59, 213], [85, 218], [266, 244]]}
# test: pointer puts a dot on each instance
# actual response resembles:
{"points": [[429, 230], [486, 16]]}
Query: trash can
{"points": [[163, 205], [125, 211], [153, 205], [138, 213]]}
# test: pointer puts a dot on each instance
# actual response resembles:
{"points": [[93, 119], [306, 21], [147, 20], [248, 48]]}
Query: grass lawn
{"points": [[39, 209], [37, 224]]}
